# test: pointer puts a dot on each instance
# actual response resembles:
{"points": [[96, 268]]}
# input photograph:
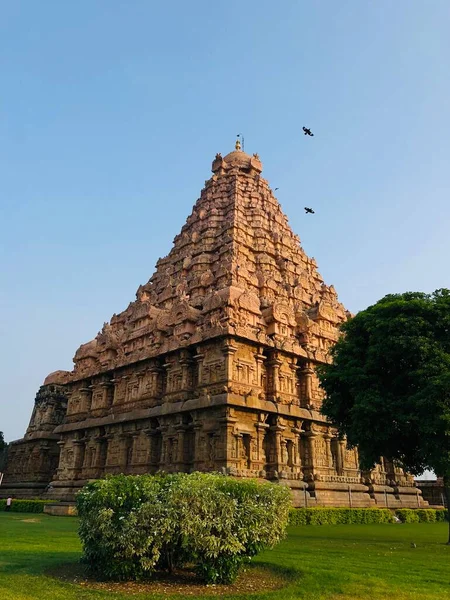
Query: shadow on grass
{"points": [[28, 562], [254, 579], [290, 574]]}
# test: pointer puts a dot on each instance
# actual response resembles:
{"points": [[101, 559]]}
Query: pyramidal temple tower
{"points": [[211, 367]]}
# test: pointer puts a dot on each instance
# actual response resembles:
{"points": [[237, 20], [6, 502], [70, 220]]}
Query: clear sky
{"points": [[111, 112]]}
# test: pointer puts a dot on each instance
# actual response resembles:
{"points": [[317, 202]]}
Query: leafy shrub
{"points": [[426, 515], [298, 516], [226, 521], [441, 514], [358, 516], [123, 525], [25, 506], [421, 515], [339, 516], [133, 525], [407, 515]]}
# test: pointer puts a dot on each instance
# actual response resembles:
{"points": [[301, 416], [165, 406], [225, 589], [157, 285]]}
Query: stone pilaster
{"points": [[308, 373], [229, 351], [260, 463]]}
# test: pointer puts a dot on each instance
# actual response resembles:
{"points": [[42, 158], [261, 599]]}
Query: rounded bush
{"points": [[123, 525], [133, 525]]}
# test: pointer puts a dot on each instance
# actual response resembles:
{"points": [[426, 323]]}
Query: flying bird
{"points": [[307, 131], [309, 210], [276, 189]]}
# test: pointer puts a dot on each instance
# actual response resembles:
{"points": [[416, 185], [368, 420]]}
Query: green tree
{"points": [[388, 387]]}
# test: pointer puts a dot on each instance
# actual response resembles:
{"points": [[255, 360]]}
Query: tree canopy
{"points": [[388, 387]]}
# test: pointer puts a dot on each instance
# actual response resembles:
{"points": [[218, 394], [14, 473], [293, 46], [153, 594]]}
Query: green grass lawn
{"points": [[342, 562]]}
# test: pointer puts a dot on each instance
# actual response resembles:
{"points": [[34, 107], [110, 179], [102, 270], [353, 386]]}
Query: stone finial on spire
{"points": [[237, 159]]}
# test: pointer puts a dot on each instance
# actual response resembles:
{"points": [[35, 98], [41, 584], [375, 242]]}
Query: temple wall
{"points": [[227, 406]]}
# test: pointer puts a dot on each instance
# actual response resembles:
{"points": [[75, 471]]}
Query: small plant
{"points": [[131, 526]]}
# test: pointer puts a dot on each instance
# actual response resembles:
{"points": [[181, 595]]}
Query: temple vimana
{"points": [[210, 368]]}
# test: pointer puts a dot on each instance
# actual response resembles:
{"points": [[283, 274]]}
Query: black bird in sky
{"points": [[309, 210], [307, 131], [276, 189]]}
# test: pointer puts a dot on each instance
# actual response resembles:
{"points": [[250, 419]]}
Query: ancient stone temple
{"points": [[212, 367]]}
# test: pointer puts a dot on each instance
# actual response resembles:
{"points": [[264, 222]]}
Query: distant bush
{"points": [[131, 526], [359, 516], [421, 515], [426, 515], [339, 516], [441, 514], [407, 515], [25, 506]]}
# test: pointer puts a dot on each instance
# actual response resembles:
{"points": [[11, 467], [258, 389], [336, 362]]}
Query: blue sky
{"points": [[112, 111]]}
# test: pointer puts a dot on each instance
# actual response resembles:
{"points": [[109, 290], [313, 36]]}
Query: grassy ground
{"points": [[342, 562]]}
